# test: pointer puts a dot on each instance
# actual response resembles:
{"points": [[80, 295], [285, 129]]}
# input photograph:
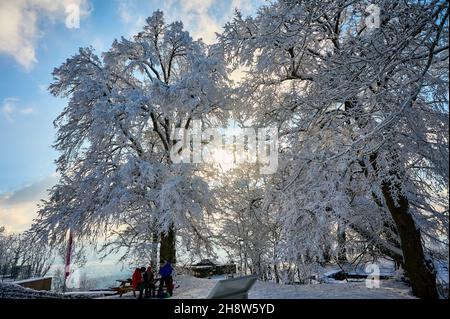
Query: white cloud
{"points": [[99, 45], [9, 108], [125, 12], [19, 25], [195, 14], [131, 16], [27, 110], [18, 208], [43, 87]]}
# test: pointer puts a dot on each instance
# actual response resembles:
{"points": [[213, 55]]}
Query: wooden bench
{"points": [[124, 287]]}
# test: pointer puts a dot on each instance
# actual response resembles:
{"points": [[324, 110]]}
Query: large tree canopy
{"points": [[358, 91], [363, 114], [115, 135]]}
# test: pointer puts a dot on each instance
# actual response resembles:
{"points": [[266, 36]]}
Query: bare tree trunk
{"points": [[167, 250], [277, 275], [154, 253], [341, 239], [326, 253], [423, 279]]}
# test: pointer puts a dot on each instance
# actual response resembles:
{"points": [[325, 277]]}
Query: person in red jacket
{"points": [[136, 280]]}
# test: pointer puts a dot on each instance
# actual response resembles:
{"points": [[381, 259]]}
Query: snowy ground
{"points": [[196, 288], [14, 291], [199, 288], [188, 287]]}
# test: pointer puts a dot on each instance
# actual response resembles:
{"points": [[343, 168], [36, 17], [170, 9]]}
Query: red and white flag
{"points": [[68, 252]]}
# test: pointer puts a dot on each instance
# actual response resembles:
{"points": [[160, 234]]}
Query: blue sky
{"points": [[34, 39]]}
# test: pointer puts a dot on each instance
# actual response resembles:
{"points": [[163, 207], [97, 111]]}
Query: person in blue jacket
{"points": [[165, 271]]}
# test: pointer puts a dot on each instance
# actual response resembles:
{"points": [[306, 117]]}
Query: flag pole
{"points": [[68, 257]]}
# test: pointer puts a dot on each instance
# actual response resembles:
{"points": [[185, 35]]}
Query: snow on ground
{"points": [[188, 287], [90, 294], [198, 288], [389, 289], [191, 287], [14, 291], [385, 267]]}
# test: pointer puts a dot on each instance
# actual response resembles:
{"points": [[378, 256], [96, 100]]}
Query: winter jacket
{"points": [[151, 275], [136, 279], [166, 270], [145, 277]]}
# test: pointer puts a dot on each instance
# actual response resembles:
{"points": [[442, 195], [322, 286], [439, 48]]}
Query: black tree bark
{"points": [[423, 279], [341, 239], [167, 250]]}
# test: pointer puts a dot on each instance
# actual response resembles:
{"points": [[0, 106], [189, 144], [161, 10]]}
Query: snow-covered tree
{"points": [[358, 92], [115, 137], [246, 232], [22, 257], [361, 103]]}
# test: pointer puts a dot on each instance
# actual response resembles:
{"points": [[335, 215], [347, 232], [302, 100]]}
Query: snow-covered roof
{"points": [[18, 282]]}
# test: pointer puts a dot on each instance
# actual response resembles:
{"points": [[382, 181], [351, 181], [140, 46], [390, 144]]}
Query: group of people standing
{"points": [[144, 281]]}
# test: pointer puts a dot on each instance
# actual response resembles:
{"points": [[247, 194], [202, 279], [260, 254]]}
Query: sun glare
{"points": [[224, 159]]}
